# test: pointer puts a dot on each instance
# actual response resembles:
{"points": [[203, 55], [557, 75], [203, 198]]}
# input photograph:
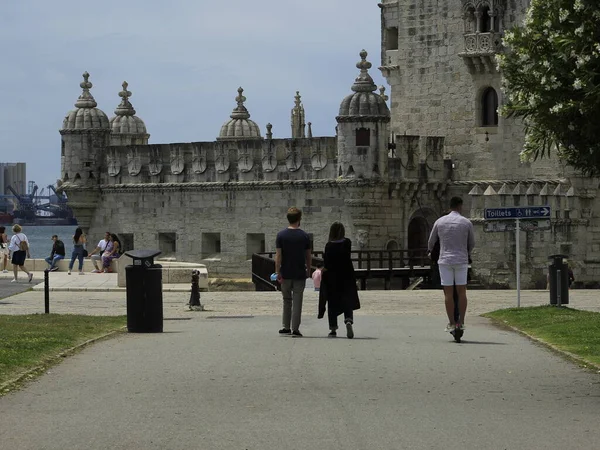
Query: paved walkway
{"points": [[224, 379], [235, 384]]}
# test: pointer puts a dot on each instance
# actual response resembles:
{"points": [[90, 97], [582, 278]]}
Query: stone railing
{"points": [[480, 51]]}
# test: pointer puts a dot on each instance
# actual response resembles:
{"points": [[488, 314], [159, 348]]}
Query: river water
{"points": [[40, 243]]}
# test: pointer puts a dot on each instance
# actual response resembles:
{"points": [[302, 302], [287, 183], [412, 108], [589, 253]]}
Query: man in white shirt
{"points": [[99, 250], [457, 240]]}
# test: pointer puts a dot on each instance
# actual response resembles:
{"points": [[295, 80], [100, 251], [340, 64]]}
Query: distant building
{"points": [[387, 174], [15, 175]]}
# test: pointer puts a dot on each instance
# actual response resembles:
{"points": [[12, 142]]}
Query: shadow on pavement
{"points": [[482, 342]]}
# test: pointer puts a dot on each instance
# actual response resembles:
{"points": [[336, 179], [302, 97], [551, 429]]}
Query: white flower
{"points": [[579, 31], [563, 14], [578, 5], [577, 84]]}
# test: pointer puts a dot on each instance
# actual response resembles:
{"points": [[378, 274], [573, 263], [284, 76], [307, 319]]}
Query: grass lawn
{"points": [[575, 331], [35, 340]]}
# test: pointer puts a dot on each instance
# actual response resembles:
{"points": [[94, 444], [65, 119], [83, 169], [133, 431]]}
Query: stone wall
{"points": [[251, 160]]}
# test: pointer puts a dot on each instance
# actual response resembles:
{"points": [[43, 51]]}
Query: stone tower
{"points": [[298, 118], [84, 136], [125, 127], [363, 129]]}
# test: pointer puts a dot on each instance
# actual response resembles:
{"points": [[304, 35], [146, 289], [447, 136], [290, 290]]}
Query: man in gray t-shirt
{"points": [[457, 240]]}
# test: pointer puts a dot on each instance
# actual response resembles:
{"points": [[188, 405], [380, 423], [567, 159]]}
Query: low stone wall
{"points": [[173, 272], [39, 265]]}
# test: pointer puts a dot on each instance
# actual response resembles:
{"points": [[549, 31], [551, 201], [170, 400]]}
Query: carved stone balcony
{"points": [[480, 51]]}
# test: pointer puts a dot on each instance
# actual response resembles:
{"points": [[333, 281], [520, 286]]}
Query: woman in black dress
{"points": [[338, 284]]}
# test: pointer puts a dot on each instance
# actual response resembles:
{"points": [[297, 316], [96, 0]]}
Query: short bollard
{"points": [[46, 291], [194, 302]]}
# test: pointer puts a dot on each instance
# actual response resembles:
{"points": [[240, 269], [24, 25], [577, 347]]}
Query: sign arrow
{"points": [[545, 211]]}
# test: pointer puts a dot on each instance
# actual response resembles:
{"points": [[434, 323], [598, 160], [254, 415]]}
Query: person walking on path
{"points": [[99, 250], [79, 242], [4, 249], [457, 240], [19, 246], [293, 259], [338, 284], [57, 253]]}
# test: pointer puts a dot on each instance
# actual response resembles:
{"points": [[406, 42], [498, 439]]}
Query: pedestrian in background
{"points": [[79, 242], [4, 249], [293, 260], [19, 246], [57, 253]]}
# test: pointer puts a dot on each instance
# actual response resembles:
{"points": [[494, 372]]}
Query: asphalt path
{"points": [[233, 383], [8, 289]]}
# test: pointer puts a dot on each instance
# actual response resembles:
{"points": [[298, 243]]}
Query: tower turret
{"points": [[363, 128], [298, 118], [84, 134], [125, 127], [239, 127]]}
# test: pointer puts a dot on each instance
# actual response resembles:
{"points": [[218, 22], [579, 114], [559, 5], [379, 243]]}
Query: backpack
{"points": [[23, 245]]}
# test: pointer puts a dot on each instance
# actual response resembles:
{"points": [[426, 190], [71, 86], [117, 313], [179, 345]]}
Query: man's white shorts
{"points": [[452, 274]]}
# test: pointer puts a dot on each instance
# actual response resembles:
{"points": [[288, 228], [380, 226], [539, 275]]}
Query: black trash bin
{"points": [[558, 272], [144, 292]]}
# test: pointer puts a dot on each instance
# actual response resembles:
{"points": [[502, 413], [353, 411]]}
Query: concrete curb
{"points": [[107, 289], [31, 374], [571, 356]]}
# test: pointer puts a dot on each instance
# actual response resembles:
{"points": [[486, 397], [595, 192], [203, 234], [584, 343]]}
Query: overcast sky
{"points": [[183, 60]]}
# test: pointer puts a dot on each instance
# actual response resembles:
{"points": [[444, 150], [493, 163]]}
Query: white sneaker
{"points": [[5, 271], [30, 277], [69, 272], [95, 271], [14, 280], [449, 328]]}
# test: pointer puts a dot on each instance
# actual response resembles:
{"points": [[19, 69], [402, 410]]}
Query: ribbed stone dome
{"points": [[364, 102], [239, 126], [86, 116], [125, 121]]}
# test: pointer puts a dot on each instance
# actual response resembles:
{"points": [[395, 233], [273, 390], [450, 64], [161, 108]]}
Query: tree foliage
{"points": [[551, 71]]}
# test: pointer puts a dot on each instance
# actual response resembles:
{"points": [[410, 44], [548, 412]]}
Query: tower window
{"points": [[489, 108], [391, 38], [363, 137]]}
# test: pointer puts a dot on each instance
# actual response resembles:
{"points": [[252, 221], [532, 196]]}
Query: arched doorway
{"points": [[419, 228], [418, 232]]}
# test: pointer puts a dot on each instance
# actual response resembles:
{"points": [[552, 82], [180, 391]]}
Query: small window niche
{"points": [[391, 38], [489, 108], [363, 137], [167, 243], [255, 243], [126, 242], [211, 245]]}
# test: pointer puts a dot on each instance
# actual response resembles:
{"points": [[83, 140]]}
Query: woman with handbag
{"points": [[79, 242], [19, 246], [338, 283]]}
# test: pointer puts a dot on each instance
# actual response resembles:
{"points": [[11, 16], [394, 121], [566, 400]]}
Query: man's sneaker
{"points": [[14, 280], [30, 277], [296, 333], [285, 331], [54, 269], [332, 333], [450, 328], [69, 272], [349, 330], [5, 271], [95, 271]]}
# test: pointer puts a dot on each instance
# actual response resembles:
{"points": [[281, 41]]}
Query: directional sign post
{"points": [[517, 214]]}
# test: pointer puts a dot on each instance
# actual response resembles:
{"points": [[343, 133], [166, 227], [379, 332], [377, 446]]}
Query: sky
{"points": [[183, 60]]}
